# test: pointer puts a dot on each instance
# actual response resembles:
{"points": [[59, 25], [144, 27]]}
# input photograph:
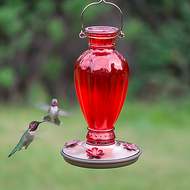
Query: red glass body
{"points": [[101, 76]]}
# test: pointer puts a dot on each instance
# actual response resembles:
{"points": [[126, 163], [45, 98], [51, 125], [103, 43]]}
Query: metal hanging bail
{"points": [[83, 34]]}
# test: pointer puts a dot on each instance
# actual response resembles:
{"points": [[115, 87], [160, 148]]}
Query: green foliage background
{"points": [[162, 46], [39, 43]]}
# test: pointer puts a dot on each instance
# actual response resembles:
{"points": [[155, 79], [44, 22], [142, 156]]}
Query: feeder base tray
{"points": [[114, 156]]}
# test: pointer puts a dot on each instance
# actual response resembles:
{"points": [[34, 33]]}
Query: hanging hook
{"points": [[82, 33]]}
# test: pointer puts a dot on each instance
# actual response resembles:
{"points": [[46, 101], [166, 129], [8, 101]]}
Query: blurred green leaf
{"points": [[133, 28], [45, 6], [168, 5], [6, 52], [56, 30], [184, 8], [53, 67], [9, 20], [7, 77], [24, 41], [74, 9]]}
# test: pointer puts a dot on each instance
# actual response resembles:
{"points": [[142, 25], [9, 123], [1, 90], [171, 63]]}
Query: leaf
{"points": [[45, 6], [133, 28], [7, 77], [56, 30], [9, 20], [53, 67]]}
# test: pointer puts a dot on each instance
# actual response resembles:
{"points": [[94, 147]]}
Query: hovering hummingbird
{"points": [[27, 137], [53, 111]]}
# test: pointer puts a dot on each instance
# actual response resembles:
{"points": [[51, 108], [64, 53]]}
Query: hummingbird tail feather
{"points": [[57, 121], [14, 151]]}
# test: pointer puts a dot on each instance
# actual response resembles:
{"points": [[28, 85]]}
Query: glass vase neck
{"points": [[101, 36]]}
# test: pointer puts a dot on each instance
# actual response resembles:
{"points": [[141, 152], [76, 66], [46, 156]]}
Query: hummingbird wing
{"points": [[21, 143], [44, 107], [47, 118], [62, 113]]}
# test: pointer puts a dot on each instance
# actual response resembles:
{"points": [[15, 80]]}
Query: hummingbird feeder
{"points": [[101, 76]]}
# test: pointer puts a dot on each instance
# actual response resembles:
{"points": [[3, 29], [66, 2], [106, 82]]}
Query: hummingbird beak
{"points": [[44, 121]]}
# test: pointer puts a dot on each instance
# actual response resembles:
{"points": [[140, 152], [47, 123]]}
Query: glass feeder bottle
{"points": [[101, 76]]}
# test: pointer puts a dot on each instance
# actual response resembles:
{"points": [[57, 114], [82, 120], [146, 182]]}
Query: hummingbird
{"points": [[53, 111], [27, 137]]}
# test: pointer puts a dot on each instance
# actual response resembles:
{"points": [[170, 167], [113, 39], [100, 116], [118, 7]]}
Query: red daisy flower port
{"points": [[73, 143], [130, 146], [94, 152]]}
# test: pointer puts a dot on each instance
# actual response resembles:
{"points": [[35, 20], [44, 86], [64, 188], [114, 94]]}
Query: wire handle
{"points": [[83, 34]]}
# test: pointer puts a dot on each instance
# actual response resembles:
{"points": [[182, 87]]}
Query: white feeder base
{"points": [[114, 156]]}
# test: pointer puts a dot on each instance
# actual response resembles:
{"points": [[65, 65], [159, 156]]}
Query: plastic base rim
{"points": [[122, 157]]}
